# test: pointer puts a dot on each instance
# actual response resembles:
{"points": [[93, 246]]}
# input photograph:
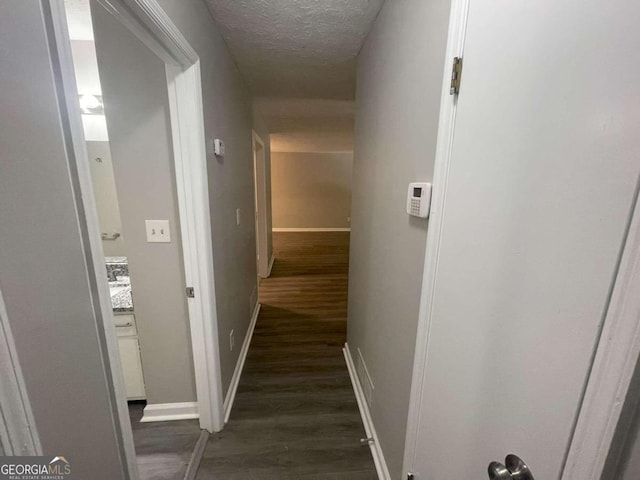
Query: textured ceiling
{"points": [[299, 58]]}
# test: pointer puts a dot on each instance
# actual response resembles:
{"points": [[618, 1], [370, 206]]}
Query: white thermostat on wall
{"points": [[419, 199]]}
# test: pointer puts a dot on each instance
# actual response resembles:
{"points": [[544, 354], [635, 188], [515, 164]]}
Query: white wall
{"points": [[311, 190], [398, 89]]}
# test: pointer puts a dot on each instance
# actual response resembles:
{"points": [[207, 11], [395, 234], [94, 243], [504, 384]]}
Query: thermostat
{"points": [[419, 199]]}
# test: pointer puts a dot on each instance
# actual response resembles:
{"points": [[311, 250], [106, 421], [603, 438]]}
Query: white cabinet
{"points": [[130, 356]]}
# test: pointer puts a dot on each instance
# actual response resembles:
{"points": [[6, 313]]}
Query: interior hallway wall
{"points": [[137, 110], [44, 273], [227, 115], [399, 82], [311, 190]]}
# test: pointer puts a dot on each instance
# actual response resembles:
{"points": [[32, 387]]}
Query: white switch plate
{"points": [[218, 147], [158, 231], [237, 216]]}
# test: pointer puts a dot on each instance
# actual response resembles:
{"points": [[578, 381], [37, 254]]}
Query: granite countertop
{"points": [[119, 284], [121, 299]]}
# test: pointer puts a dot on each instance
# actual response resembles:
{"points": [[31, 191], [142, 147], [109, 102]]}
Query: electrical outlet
{"points": [[158, 231], [348, 219], [232, 341], [237, 216]]}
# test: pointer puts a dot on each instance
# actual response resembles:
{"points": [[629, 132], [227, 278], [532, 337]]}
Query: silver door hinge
{"points": [[456, 76], [191, 292]]}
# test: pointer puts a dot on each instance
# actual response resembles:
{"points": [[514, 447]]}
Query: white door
{"points": [[544, 163]]}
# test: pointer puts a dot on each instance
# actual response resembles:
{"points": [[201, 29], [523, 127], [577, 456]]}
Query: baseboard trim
{"points": [[273, 259], [196, 456], [367, 421], [311, 229], [163, 412], [235, 380]]}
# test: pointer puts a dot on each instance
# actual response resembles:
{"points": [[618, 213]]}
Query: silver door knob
{"points": [[514, 468]]}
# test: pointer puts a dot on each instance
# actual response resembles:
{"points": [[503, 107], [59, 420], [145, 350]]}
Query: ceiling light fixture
{"points": [[91, 104]]}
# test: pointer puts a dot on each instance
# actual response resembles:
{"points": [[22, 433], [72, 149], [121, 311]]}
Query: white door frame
{"points": [[618, 346], [148, 22], [260, 182]]}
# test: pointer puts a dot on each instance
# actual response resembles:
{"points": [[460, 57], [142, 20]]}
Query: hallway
{"points": [[295, 415]]}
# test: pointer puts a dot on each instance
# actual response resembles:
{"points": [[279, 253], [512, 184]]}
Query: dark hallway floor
{"points": [[295, 415], [163, 449]]}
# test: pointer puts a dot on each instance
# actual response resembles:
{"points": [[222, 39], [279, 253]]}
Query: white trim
{"points": [[195, 225], [271, 261], [235, 379], [330, 229], [613, 367], [446, 125], [260, 192], [367, 420], [164, 412], [18, 433]]}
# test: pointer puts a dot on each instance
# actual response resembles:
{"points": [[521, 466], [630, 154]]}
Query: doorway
{"points": [[263, 262], [183, 227]]}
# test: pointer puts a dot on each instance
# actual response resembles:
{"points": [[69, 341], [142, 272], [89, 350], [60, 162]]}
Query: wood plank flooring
{"points": [[295, 415], [163, 449]]}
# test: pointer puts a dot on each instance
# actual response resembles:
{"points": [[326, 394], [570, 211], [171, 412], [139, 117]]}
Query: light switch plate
{"points": [[158, 231]]}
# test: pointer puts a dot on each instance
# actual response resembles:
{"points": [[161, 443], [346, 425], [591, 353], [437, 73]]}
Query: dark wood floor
{"points": [[295, 415], [163, 449]]}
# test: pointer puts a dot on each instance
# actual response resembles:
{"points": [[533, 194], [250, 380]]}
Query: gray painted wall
{"points": [[137, 111], [44, 275], [227, 115], [398, 89], [311, 190]]}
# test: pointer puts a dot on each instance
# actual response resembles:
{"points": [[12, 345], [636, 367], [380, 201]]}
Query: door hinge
{"points": [[456, 75], [191, 292]]}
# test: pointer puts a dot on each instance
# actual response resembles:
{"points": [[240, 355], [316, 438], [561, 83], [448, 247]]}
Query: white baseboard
{"points": [[310, 229], [369, 427], [235, 380], [162, 412], [273, 259]]}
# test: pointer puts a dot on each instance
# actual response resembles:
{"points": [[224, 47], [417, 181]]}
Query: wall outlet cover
{"points": [[158, 231]]}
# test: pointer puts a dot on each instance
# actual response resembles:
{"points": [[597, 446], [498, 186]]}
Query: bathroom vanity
{"points": [[126, 330]]}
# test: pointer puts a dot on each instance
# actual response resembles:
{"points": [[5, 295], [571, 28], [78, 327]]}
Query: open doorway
{"points": [[264, 263], [149, 202]]}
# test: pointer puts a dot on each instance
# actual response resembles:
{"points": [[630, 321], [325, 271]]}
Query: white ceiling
{"points": [[299, 58]]}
